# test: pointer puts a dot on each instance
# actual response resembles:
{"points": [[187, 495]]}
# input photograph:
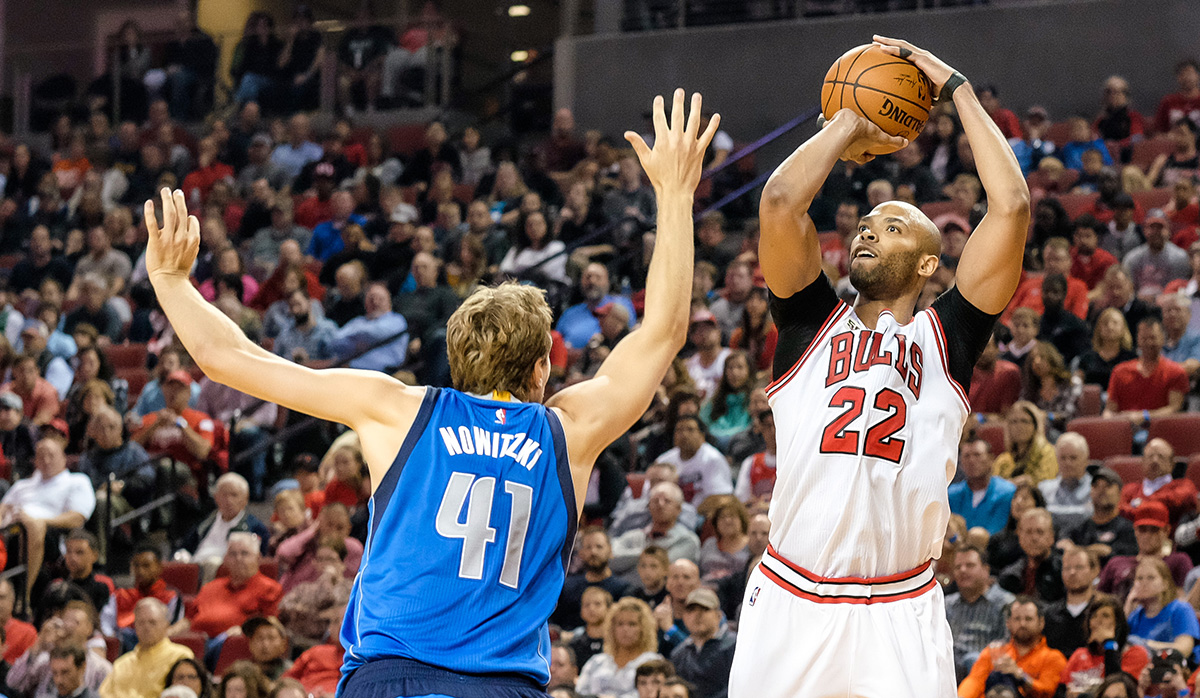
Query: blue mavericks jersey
{"points": [[470, 532]]}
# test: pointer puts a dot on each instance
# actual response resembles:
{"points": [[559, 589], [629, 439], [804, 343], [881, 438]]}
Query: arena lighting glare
{"points": [[518, 10], [519, 56]]}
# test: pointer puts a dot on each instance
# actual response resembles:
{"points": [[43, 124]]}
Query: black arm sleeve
{"points": [[967, 331], [798, 318]]}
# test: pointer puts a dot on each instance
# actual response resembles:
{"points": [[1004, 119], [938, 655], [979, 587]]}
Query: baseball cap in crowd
{"points": [[12, 401], [1156, 216], [1109, 475], [703, 597], [404, 213], [323, 169], [57, 425], [261, 139], [179, 376], [1152, 513], [704, 315]]}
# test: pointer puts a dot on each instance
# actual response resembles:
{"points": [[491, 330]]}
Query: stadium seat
{"points": [[182, 576], [636, 482], [194, 641], [1182, 431], [112, 648], [137, 378], [933, 209], [123, 356], [1106, 436], [406, 139], [235, 648], [1077, 204], [1152, 198], [994, 435], [1059, 133], [1144, 152], [1128, 467], [1091, 401], [1193, 470]]}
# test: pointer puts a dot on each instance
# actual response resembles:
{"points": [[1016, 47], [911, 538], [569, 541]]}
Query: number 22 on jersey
{"points": [[881, 440], [476, 532]]}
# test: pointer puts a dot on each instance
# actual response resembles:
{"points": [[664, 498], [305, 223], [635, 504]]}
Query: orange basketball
{"points": [[889, 91]]}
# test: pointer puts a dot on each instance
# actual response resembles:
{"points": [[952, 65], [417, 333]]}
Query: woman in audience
{"points": [[346, 485], [90, 398], [243, 679], [255, 59], [1028, 456], [1048, 384], [536, 254], [229, 261], [507, 190], [725, 414], [190, 673], [1183, 162], [588, 641], [291, 516], [758, 335], [727, 552], [92, 364], [1003, 549], [1157, 619], [940, 145], [467, 266], [1118, 685], [630, 640], [1107, 651], [1112, 343]]}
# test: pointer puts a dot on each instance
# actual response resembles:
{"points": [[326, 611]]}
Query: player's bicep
{"points": [[990, 267], [788, 250]]}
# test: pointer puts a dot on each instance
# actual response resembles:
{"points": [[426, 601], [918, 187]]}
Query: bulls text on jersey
{"points": [[857, 352]]}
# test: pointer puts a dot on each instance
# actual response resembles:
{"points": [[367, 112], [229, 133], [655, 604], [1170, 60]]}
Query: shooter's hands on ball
{"points": [[934, 68], [171, 250], [866, 136], [675, 162]]}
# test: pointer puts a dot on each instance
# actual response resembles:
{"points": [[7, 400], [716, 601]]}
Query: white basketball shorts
{"points": [[801, 635]]}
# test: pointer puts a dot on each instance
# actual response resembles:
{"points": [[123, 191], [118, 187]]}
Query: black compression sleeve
{"points": [[967, 331], [798, 318]]}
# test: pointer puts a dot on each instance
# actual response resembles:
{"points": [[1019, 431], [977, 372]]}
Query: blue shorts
{"points": [[402, 678]]}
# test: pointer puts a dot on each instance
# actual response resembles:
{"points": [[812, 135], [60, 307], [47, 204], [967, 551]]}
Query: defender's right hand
{"points": [[865, 136], [172, 249]]}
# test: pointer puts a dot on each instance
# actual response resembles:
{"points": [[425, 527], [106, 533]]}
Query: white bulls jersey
{"points": [[868, 424]]}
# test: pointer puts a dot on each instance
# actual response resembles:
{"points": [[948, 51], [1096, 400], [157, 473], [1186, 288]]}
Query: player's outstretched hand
{"points": [[866, 136], [171, 250], [934, 68], [677, 158]]}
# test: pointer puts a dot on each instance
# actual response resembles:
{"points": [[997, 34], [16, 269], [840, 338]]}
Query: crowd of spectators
{"points": [[328, 248]]}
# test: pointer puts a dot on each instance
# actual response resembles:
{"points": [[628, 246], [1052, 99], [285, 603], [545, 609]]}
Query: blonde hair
{"points": [[497, 337], [647, 638], [290, 497], [1169, 591], [1126, 337]]}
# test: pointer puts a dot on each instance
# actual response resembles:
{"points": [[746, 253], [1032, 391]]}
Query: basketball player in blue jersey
{"points": [[477, 488]]}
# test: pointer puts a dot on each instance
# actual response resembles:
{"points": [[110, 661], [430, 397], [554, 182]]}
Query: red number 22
{"points": [[880, 441]]}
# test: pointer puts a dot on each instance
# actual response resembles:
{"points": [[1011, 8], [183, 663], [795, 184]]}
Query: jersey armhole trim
{"points": [[566, 481], [939, 336], [839, 312], [387, 486]]}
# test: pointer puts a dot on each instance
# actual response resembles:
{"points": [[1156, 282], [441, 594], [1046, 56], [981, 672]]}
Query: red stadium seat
{"points": [[1077, 204], [1059, 133], [1128, 467], [1144, 152], [933, 209], [1106, 436], [235, 648], [1152, 198], [1091, 401], [182, 576], [406, 139], [194, 641], [1182, 431], [127, 355], [994, 435], [636, 482], [137, 378], [112, 647], [1193, 470]]}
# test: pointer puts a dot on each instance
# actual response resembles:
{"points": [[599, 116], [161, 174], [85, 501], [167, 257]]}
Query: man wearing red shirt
{"points": [[319, 207], [1056, 255], [1150, 385], [38, 398], [227, 602], [319, 668], [1008, 122], [1088, 260], [1178, 496], [209, 170], [995, 384], [19, 636], [1185, 102], [146, 567], [177, 430]]}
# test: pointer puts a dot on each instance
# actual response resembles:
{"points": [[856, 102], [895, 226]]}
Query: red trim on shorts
{"points": [[940, 337], [832, 320], [861, 600], [818, 579]]}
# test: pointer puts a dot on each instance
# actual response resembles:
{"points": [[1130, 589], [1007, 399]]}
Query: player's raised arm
{"points": [[990, 267], [597, 411], [226, 356], [788, 251]]}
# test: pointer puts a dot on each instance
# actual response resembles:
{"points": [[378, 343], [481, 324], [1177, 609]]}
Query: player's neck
{"points": [[868, 310]]}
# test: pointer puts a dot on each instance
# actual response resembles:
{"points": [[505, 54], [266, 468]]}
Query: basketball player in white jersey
{"points": [[869, 404]]}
